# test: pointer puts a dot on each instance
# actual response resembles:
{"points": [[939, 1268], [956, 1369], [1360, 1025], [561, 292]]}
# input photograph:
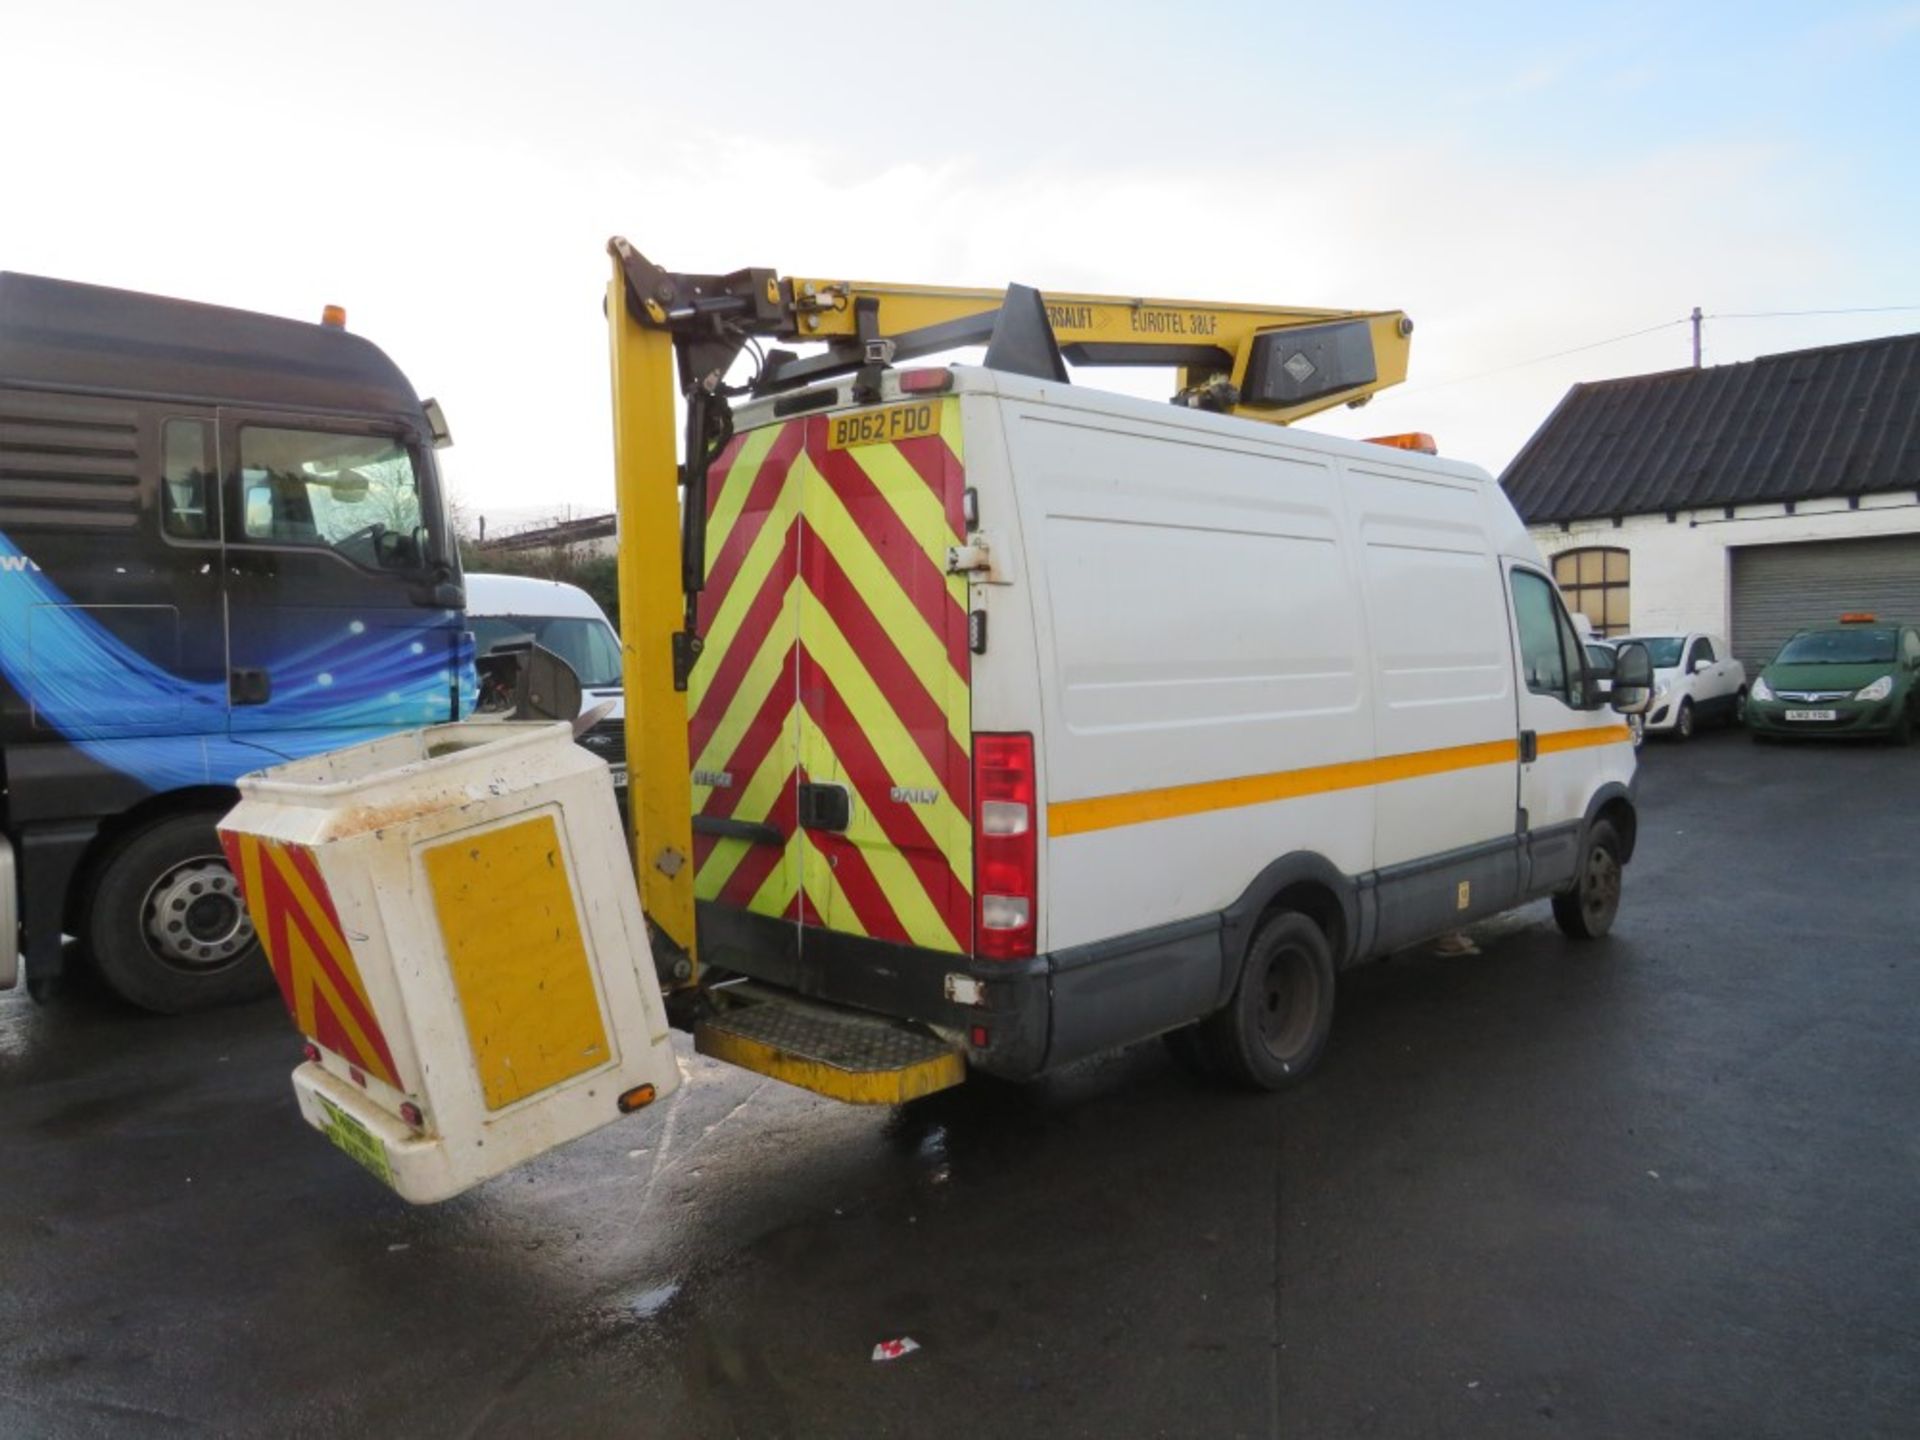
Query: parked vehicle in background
{"points": [[1695, 682], [222, 545], [566, 620], [1860, 676]]}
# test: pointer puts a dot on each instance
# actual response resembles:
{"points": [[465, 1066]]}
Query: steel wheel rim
{"points": [[1600, 885], [193, 918], [1289, 1000]]}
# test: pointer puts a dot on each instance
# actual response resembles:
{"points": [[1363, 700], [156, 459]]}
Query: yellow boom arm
{"points": [[681, 333]]}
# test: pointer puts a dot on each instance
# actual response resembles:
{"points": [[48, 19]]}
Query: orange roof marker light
{"points": [[334, 315], [1858, 617], [1412, 440]]}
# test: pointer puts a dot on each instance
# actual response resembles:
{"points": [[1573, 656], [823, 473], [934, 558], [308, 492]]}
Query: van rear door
{"points": [[831, 708]]}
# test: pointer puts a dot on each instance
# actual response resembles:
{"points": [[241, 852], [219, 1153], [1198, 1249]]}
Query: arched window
{"points": [[1594, 581]]}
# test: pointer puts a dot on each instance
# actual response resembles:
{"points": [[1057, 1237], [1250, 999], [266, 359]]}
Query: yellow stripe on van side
{"points": [[1108, 812], [1581, 739]]}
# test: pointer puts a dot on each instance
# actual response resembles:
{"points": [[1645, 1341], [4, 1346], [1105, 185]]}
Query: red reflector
{"points": [[1006, 860], [312, 1052], [358, 1075], [978, 1037], [410, 1113], [933, 381]]}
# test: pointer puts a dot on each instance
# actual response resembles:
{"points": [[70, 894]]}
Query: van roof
{"points": [[526, 595], [1509, 535], [59, 334]]}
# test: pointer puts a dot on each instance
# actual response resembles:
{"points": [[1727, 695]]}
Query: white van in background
{"points": [[566, 620]]}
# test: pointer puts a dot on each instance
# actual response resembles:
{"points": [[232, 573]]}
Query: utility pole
{"points": [[1696, 337]]}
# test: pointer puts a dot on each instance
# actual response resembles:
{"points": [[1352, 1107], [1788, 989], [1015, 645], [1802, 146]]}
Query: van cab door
{"points": [[1559, 767], [330, 564]]}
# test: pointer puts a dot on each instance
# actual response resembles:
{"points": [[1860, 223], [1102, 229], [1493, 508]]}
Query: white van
{"points": [[568, 621], [1054, 719]]}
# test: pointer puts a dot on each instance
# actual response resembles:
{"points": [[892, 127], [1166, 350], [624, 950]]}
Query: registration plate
{"points": [[883, 427], [619, 773], [354, 1138], [1813, 714]]}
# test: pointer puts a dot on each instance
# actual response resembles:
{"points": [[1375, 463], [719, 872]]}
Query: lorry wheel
{"points": [[1274, 1029], [1586, 910], [165, 923]]}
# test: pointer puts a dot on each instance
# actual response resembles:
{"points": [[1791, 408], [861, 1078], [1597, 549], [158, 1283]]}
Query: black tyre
{"points": [[165, 924], [1683, 721], [1740, 707], [1902, 731], [1586, 909], [1272, 1033]]}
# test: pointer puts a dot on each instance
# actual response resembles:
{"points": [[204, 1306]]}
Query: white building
{"points": [[1745, 500]]}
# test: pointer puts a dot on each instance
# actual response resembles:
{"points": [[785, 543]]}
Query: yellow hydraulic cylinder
{"points": [[646, 484]]}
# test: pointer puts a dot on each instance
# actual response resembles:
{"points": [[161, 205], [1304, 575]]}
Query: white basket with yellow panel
{"points": [[453, 922]]}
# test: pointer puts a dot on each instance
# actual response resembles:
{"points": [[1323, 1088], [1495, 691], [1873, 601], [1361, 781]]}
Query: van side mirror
{"points": [[1632, 679], [1699, 665]]}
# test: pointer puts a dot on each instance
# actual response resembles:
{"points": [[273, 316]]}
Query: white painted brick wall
{"points": [[1681, 575]]}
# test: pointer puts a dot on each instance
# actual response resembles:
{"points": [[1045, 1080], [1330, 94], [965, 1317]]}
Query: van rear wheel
{"points": [[166, 925], [1272, 1033]]}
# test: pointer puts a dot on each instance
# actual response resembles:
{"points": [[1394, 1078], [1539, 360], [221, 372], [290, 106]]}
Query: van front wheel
{"points": [[1274, 1029], [1586, 909]]}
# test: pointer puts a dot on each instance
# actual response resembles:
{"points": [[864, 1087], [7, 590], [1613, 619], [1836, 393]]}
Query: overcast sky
{"points": [[1522, 179]]}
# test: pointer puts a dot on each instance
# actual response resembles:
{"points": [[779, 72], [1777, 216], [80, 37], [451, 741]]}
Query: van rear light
{"points": [[1005, 847], [932, 381]]}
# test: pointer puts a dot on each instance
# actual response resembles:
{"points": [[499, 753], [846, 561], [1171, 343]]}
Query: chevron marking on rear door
{"points": [[836, 651]]}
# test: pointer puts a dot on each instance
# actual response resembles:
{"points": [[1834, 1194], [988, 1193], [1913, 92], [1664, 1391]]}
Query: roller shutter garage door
{"points": [[1778, 589]]}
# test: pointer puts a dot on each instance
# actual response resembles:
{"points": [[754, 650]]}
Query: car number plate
{"points": [[619, 773], [354, 1138], [1813, 714]]}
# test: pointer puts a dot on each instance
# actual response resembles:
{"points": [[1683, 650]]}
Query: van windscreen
{"points": [[588, 645]]}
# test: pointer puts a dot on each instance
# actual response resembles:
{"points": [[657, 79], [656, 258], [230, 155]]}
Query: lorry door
{"points": [[831, 708], [111, 631], [1559, 742], [333, 636]]}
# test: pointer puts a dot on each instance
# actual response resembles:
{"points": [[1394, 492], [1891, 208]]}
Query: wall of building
{"points": [[1680, 572]]}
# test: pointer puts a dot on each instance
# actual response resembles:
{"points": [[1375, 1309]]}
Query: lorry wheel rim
{"points": [[1289, 1000], [194, 918], [1600, 886]]}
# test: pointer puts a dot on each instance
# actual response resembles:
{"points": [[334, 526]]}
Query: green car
{"points": [[1859, 677]]}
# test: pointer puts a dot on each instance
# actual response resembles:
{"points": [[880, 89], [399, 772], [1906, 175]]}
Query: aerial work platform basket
{"points": [[453, 923]]}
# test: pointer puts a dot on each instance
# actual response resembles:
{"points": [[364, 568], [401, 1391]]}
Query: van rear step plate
{"points": [[862, 1059]]}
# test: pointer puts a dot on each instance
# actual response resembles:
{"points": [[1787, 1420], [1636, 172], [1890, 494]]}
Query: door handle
{"points": [[1529, 746], [825, 807], [248, 687]]}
